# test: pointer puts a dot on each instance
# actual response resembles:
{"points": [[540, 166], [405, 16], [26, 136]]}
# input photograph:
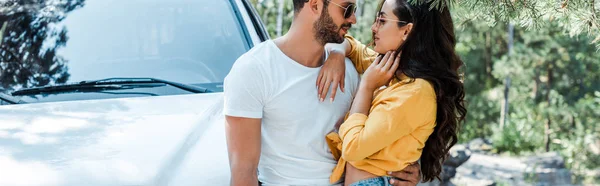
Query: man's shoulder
{"points": [[250, 55], [260, 51], [255, 63]]}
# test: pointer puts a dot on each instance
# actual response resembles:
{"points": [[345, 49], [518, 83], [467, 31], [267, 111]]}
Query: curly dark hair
{"points": [[429, 53]]}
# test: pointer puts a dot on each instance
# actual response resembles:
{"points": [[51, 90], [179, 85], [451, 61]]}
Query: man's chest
{"points": [[302, 102], [293, 95]]}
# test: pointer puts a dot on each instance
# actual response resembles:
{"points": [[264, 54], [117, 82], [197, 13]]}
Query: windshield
{"points": [[57, 42]]}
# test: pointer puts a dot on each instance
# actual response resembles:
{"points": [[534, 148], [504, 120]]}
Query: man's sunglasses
{"points": [[348, 10]]}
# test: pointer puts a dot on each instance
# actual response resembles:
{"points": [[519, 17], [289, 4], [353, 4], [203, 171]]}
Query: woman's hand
{"points": [[332, 75], [381, 71]]}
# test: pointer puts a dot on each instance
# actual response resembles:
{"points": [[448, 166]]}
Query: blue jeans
{"points": [[378, 181]]}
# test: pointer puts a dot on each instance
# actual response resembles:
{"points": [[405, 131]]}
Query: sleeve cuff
{"points": [[335, 144], [352, 43], [243, 114], [354, 120]]}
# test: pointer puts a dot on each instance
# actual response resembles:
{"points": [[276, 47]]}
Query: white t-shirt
{"points": [[265, 83]]}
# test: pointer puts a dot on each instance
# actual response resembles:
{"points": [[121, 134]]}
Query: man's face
{"points": [[332, 25]]}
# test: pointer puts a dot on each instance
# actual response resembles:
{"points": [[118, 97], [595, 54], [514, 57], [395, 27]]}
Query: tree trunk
{"points": [[547, 133], [573, 125], [359, 10], [505, 105], [547, 129], [488, 56], [2, 28], [266, 11], [280, 17], [536, 86]]}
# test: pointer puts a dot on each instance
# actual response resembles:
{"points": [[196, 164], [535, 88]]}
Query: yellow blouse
{"points": [[392, 136]]}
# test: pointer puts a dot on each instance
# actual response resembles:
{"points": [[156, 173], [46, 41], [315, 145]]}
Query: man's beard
{"points": [[326, 31]]}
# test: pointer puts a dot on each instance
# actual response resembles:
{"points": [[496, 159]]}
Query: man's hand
{"points": [[410, 176]]}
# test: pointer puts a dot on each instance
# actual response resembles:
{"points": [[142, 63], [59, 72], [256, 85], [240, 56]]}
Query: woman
{"points": [[416, 115]]}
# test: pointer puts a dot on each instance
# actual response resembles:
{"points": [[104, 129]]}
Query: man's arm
{"points": [[410, 176], [243, 145]]}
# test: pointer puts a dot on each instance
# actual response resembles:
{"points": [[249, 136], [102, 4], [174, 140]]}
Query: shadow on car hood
{"points": [[165, 140]]}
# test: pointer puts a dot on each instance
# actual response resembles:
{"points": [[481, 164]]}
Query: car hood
{"points": [[164, 140]]}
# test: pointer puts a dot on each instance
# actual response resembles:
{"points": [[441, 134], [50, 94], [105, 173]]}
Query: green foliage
{"points": [[552, 101]]}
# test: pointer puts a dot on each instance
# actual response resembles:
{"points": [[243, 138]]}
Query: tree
{"points": [[573, 16], [29, 41], [555, 83]]}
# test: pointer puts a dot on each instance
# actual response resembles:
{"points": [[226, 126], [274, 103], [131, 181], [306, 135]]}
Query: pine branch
{"points": [[565, 4], [594, 16]]}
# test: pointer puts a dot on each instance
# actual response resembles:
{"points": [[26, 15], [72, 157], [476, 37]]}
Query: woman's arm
{"points": [[332, 73], [378, 74], [342, 48], [370, 128], [360, 55], [392, 118]]}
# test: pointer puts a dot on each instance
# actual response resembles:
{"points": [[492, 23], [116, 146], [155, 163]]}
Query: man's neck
{"points": [[302, 47]]}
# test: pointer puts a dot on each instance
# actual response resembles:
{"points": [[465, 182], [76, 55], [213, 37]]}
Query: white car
{"points": [[131, 96]]}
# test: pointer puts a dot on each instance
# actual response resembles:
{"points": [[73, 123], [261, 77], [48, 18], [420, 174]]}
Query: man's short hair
{"points": [[299, 4]]}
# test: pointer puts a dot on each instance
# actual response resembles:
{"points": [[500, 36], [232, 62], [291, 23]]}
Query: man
{"points": [[275, 124]]}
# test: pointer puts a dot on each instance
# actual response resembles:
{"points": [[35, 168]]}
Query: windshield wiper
{"points": [[10, 99], [109, 84], [112, 81], [79, 88]]}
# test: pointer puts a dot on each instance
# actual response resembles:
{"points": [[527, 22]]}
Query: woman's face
{"points": [[388, 36]]}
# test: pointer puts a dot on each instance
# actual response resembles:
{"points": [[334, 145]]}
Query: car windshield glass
{"points": [[189, 42]]}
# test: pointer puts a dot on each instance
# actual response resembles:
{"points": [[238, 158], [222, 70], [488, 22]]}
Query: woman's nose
{"points": [[374, 27]]}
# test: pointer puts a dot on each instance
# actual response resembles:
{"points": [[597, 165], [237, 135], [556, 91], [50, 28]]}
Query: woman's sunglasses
{"points": [[380, 20]]}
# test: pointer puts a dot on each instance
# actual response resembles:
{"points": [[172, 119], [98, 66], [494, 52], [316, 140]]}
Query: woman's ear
{"points": [[407, 31]]}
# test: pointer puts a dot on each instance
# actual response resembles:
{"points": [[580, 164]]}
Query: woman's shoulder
{"points": [[415, 86], [423, 84]]}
